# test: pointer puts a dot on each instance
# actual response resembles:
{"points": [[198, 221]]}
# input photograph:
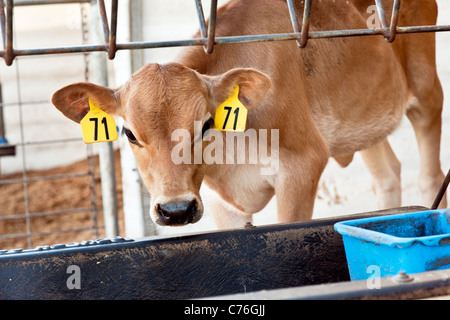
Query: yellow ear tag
{"points": [[98, 126], [231, 115]]}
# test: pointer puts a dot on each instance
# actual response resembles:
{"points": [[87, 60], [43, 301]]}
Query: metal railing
{"points": [[208, 39]]}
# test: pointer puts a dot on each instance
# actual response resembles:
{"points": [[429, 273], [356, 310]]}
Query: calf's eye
{"points": [[130, 135], [208, 125]]}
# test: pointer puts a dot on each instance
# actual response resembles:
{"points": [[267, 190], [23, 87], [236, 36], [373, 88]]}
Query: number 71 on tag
{"points": [[98, 126], [231, 115]]}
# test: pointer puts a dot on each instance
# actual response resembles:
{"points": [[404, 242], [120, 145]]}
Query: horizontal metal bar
{"points": [[228, 40], [48, 213], [18, 3], [45, 178], [22, 104], [58, 50], [421, 29], [329, 34], [7, 149], [42, 233], [33, 143]]}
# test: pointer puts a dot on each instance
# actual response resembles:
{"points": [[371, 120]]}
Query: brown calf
{"points": [[331, 99]]}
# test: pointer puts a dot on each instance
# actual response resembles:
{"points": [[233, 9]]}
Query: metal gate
{"points": [[208, 39]]}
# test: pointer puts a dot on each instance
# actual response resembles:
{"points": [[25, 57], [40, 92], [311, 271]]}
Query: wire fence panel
{"points": [[41, 204]]}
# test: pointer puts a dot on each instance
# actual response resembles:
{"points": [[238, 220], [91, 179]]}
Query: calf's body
{"points": [[331, 99]]}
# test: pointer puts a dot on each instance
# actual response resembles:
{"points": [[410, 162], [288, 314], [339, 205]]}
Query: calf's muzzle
{"points": [[177, 212]]}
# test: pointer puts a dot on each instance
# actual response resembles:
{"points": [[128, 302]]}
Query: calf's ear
{"points": [[73, 100], [253, 85]]}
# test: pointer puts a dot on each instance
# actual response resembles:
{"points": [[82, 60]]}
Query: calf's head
{"points": [[157, 100]]}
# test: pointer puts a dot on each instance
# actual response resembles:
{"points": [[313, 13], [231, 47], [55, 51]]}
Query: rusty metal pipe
{"points": [[110, 46], [381, 14], [305, 23], [394, 20], [3, 22], [212, 28], [293, 15], [441, 192], [46, 2], [304, 30], [201, 18], [113, 31], [227, 40], [104, 18], [9, 51], [294, 19]]}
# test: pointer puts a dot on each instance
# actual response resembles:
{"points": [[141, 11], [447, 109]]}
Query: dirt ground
{"points": [[55, 195]]}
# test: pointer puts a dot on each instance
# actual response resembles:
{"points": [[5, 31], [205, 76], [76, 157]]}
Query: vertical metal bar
{"points": [[109, 191], [5, 148], [109, 33], [136, 216], [212, 27], [91, 173], [3, 22], [137, 57], [381, 14], [113, 31], [441, 192], [394, 20], [293, 15], [2, 122], [89, 148], [305, 23], [9, 52], [24, 161], [104, 18], [106, 152], [201, 18]]}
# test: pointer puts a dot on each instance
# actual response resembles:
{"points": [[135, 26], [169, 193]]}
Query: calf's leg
{"points": [[424, 113], [384, 168], [296, 184]]}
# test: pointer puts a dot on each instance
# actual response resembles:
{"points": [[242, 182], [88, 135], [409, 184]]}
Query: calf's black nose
{"points": [[177, 212]]}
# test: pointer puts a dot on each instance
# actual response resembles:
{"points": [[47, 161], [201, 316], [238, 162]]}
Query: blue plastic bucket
{"points": [[410, 242]]}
